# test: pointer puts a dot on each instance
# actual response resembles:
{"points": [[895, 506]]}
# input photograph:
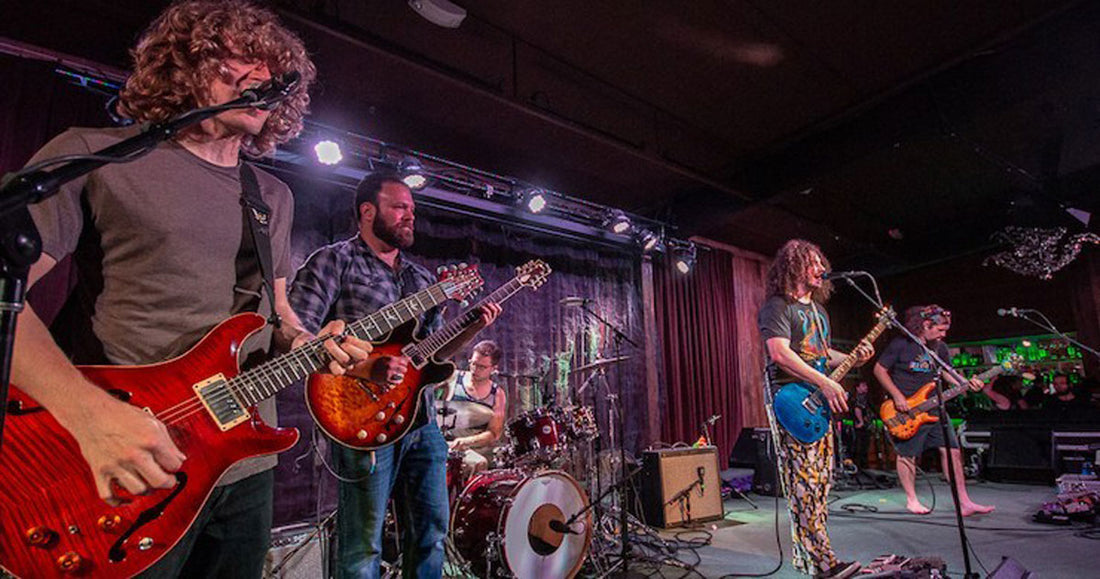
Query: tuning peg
{"points": [[464, 303], [462, 265], [441, 269]]}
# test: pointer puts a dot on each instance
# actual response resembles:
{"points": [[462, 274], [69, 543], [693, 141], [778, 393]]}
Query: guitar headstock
{"points": [[533, 273], [460, 281]]}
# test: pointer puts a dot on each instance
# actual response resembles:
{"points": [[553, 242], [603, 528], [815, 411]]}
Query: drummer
{"points": [[475, 408]]}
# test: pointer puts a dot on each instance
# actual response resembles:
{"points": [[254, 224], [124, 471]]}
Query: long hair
{"points": [[790, 265], [184, 49]]}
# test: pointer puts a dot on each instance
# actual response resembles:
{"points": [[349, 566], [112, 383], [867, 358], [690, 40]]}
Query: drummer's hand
{"points": [[388, 369], [489, 314], [455, 444]]}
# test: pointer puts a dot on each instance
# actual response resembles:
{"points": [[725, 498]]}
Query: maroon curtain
{"points": [[711, 351], [697, 321]]}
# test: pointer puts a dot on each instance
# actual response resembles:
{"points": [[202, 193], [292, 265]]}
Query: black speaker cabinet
{"points": [[1020, 454], [675, 481]]}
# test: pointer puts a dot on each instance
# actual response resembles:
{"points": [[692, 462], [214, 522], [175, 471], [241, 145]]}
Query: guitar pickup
{"points": [[220, 402]]}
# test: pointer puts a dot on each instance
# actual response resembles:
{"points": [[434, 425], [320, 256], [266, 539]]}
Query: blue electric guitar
{"points": [[802, 409]]}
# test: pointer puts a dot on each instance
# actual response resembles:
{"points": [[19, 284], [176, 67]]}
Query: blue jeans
{"points": [[414, 471]]}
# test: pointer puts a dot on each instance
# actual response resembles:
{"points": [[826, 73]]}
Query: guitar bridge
{"points": [[220, 402]]}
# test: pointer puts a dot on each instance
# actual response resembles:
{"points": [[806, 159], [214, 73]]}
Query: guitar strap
{"points": [[257, 215]]}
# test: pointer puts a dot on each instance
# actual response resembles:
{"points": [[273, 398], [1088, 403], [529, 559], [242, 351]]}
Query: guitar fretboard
{"points": [[267, 379], [955, 390], [429, 346]]}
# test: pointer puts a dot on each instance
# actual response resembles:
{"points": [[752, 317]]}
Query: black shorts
{"points": [[928, 436]]}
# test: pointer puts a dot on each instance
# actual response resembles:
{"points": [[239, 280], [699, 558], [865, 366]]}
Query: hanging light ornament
{"points": [[1037, 251]]}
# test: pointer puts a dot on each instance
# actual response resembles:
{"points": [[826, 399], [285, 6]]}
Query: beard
{"points": [[392, 235]]}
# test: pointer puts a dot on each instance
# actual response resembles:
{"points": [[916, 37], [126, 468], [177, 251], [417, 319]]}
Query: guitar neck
{"points": [[958, 389], [267, 379], [850, 360], [420, 352]]}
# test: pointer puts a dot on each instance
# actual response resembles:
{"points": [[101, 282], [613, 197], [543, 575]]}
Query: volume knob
{"points": [[70, 563]]}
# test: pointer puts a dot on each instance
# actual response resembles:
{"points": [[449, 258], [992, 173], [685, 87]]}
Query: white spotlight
{"points": [[328, 152]]}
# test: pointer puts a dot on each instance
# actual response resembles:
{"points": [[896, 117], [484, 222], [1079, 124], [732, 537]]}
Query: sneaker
{"points": [[840, 570]]}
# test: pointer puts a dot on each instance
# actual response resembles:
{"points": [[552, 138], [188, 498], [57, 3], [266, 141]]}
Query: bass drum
{"points": [[501, 524]]}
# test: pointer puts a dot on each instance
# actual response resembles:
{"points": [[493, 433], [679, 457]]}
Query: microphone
{"points": [[560, 527], [1014, 312], [574, 302], [841, 274], [702, 484], [272, 91], [713, 419]]}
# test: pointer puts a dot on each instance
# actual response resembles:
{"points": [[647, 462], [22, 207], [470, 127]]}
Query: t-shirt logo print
{"points": [[921, 364], [815, 332]]}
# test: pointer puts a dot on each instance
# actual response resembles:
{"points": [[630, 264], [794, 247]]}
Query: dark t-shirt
{"points": [[169, 227], [805, 325], [909, 367]]}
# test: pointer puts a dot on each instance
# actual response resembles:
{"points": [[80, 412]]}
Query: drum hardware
{"points": [[599, 364]]}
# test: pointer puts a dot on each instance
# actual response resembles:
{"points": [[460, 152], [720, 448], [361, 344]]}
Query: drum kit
{"points": [[529, 516]]}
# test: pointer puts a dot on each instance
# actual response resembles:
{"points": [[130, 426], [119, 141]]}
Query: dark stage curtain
{"points": [[712, 356]]}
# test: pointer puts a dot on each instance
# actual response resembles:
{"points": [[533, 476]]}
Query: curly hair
{"points": [[185, 48], [790, 265]]}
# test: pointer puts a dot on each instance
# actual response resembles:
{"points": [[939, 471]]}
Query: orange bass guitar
{"points": [[52, 521], [904, 425], [365, 415]]}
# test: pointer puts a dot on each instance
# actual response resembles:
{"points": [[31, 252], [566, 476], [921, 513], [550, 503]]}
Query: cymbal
{"points": [[599, 364]]}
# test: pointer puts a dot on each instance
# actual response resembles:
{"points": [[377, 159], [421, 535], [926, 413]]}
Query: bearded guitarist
{"points": [[356, 277], [902, 369], [795, 328]]}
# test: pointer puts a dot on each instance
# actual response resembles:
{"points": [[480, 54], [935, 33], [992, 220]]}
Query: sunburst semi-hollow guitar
{"points": [[52, 521], [904, 425], [802, 410], [366, 415]]}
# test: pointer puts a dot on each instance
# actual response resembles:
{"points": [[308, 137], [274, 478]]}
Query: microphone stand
{"points": [[1047, 325], [944, 367], [20, 243], [619, 337]]}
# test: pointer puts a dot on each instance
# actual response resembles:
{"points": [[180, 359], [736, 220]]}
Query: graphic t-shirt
{"points": [[805, 325], [909, 367]]}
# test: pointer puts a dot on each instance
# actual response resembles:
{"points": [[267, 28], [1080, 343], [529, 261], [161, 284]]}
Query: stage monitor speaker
{"points": [[1020, 454], [675, 479], [296, 553]]}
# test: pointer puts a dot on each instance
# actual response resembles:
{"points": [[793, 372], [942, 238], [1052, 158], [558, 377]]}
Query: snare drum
{"points": [[502, 521]]}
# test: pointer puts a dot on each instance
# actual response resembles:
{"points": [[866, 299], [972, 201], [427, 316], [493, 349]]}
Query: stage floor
{"points": [[749, 545]]}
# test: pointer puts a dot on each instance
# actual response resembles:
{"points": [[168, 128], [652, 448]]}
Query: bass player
{"points": [[902, 369]]}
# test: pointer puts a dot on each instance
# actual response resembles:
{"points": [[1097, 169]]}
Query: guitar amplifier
{"points": [[674, 479], [297, 552]]}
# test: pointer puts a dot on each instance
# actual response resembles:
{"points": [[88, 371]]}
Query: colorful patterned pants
{"points": [[806, 473]]}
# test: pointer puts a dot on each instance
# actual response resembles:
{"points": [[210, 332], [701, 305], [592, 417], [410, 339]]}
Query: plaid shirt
{"points": [[347, 281]]}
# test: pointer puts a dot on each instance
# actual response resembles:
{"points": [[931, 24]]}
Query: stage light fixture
{"points": [[684, 259], [648, 240], [617, 222], [328, 152], [412, 173], [533, 200], [439, 12]]}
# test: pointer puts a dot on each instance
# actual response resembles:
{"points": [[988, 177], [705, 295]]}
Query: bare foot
{"points": [[916, 508], [972, 508]]}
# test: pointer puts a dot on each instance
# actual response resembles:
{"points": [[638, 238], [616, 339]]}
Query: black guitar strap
{"points": [[258, 216]]}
